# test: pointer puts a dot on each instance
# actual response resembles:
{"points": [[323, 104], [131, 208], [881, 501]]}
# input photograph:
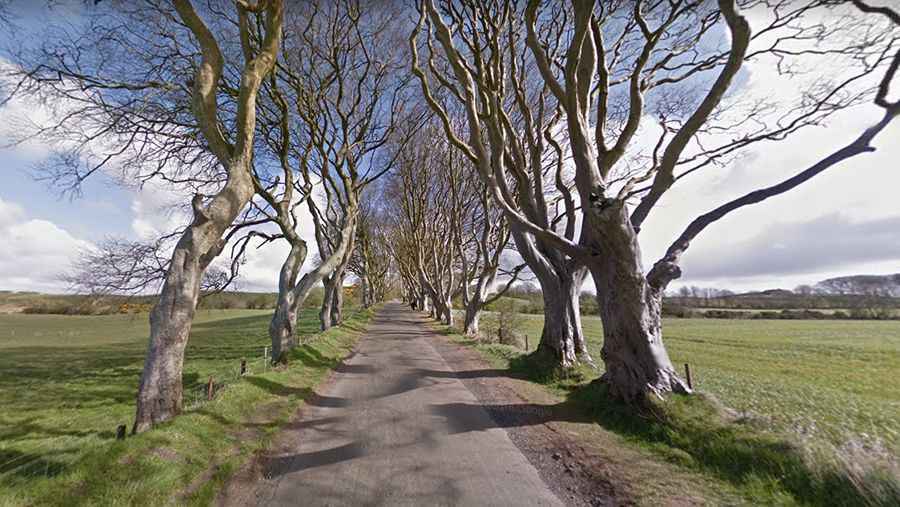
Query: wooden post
{"points": [[526, 342], [210, 387], [243, 367], [687, 372], [120, 432]]}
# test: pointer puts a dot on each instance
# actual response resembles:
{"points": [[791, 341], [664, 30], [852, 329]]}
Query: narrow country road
{"points": [[388, 430]]}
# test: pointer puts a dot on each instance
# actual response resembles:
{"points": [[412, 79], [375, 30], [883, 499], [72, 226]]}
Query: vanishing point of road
{"points": [[391, 428]]}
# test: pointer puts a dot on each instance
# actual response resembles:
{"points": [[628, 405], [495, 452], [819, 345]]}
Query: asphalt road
{"points": [[395, 426]]}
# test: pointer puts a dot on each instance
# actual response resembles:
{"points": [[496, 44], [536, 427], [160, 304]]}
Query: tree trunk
{"points": [[631, 309], [281, 327], [337, 301], [367, 299], [562, 336], [472, 318], [160, 392], [325, 312], [447, 309]]}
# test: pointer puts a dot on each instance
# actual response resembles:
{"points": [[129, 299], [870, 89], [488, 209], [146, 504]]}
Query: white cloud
{"points": [[34, 252]]}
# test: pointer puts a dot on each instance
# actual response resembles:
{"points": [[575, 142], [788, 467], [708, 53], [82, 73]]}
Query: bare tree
{"points": [[530, 172], [607, 67], [123, 267], [140, 87]]}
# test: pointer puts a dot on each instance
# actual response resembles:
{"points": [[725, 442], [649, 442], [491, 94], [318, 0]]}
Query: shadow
{"points": [[15, 464], [362, 369], [465, 374], [465, 417], [278, 389], [277, 466], [308, 355], [320, 400], [313, 423]]}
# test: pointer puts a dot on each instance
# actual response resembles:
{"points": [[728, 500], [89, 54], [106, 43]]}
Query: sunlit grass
{"points": [[66, 382], [817, 404]]}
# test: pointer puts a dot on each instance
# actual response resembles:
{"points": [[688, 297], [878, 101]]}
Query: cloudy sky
{"points": [[845, 221]]}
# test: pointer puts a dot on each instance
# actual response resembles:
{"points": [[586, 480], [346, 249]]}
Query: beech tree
{"points": [[429, 202], [332, 111], [608, 66], [536, 184], [140, 87]]}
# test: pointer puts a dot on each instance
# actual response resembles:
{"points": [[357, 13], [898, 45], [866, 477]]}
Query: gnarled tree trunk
{"points": [[337, 301], [562, 334], [473, 316], [325, 311], [631, 310], [160, 391], [281, 327]]}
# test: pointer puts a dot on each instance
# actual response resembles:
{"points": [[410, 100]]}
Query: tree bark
{"points": [[325, 312], [636, 360], [281, 327], [472, 318], [160, 391], [447, 310], [562, 334], [337, 301]]}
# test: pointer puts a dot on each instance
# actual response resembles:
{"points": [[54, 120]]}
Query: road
{"points": [[395, 426]]}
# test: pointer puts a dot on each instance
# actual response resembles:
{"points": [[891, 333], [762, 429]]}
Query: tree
{"points": [[370, 262], [140, 86], [512, 114], [609, 66], [332, 111]]}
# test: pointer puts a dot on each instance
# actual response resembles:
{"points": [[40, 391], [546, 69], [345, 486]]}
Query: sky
{"points": [[845, 221]]}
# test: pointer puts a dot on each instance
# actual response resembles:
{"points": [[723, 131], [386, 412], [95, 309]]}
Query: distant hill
{"points": [[880, 285]]}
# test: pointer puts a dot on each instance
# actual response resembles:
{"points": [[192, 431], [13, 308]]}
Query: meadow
{"points": [[834, 381], [789, 412], [67, 382]]}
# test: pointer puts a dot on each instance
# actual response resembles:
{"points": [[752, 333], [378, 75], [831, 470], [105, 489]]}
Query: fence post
{"points": [[526, 342], [210, 389], [687, 372]]}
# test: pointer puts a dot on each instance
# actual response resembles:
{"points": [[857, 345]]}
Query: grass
{"points": [[66, 382], [818, 405]]}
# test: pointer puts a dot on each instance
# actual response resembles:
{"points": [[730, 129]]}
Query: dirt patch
{"points": [[576, 474]]}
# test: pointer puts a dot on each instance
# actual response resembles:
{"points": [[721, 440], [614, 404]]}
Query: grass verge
{"points": [[717, 456], [187, 460]]}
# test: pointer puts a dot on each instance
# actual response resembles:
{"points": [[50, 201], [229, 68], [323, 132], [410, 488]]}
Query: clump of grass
{"points": [[766, 466]]}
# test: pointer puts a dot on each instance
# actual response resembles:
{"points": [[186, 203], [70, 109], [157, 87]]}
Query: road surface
{"points": [[394, 426]]}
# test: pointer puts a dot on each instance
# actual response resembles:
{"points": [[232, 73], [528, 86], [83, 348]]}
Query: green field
{"points": [[66, 382], [833, 380]]}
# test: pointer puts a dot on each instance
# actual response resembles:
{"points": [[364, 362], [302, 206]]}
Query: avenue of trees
{"points": [[439, 151]]}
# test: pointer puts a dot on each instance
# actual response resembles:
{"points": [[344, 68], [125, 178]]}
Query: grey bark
{"points": [[281, 327], [159, 395], [631, 309]]}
